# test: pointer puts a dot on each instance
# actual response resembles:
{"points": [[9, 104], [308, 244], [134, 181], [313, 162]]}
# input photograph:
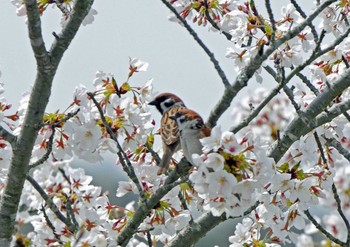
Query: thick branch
{"points": [[132, 226], [35, 34], [306, 120], [46, 69], [60, 45], [197, 230]]}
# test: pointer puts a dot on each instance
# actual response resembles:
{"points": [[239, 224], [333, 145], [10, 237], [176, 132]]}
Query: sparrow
{"points": [[192, 129], [168, 105]]}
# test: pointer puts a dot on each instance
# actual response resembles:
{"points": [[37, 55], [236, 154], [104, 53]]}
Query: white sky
{"points": [[122, 29]]}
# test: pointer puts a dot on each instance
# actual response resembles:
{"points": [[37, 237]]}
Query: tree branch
{"points": [[51, 204], [141, 213], [341, 213], [307, 120], [272, 19], [46, 69], [215, 62], [197, 230], [254, 64], [337, 145], [9, 137], [121, 154], [324, 231], [60, 45], [316, 53], [46, 156], [35, 34]]}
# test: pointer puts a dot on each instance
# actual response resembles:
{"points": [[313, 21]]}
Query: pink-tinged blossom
{"points": [[21, 8], [290, 17], [220, 183], [200, 184], [304, 241], [146, 92], [87, 136], [89, 19], [214, 161], [174, 224], [80, 97], [99, 77], [230, 143], [280, 182], [213, 142], [5, 155], [289, 55], [335, 226], [328, 19], [245, 233], [346, 130], [307, 39], [138, 65], [235, 23]]}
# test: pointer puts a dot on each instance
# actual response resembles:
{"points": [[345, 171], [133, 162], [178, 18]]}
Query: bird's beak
{"points": [[153, 102]]}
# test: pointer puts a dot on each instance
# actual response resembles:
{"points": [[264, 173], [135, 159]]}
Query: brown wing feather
{"points": [[169, 132]]}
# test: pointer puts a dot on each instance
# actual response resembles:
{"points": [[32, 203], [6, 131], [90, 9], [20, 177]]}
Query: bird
{"points": [[192, 129], [168, 105]]}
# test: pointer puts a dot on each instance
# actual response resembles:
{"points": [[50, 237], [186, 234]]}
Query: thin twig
{"points": [[63, 120], [46, 156], [60, 169], [323, 230], [302, 13], [340, 211], [335, 192], [272, 19], [121, 154], [319, 145], [289, 93], [214, 25], [307, 82], [50, 225], [337, 145], [51, 204], [70, 213], [153, 153], [149, 239], [9, 137], [215, 62]]}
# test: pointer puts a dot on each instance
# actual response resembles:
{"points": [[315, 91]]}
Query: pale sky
{"points": [[122, 29]]}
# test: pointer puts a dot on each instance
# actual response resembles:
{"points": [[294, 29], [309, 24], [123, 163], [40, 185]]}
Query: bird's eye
{"points": [[182, 119], [168, 103]]}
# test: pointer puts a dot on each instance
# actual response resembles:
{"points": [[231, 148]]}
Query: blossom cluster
{"points": [[81, 132]]}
